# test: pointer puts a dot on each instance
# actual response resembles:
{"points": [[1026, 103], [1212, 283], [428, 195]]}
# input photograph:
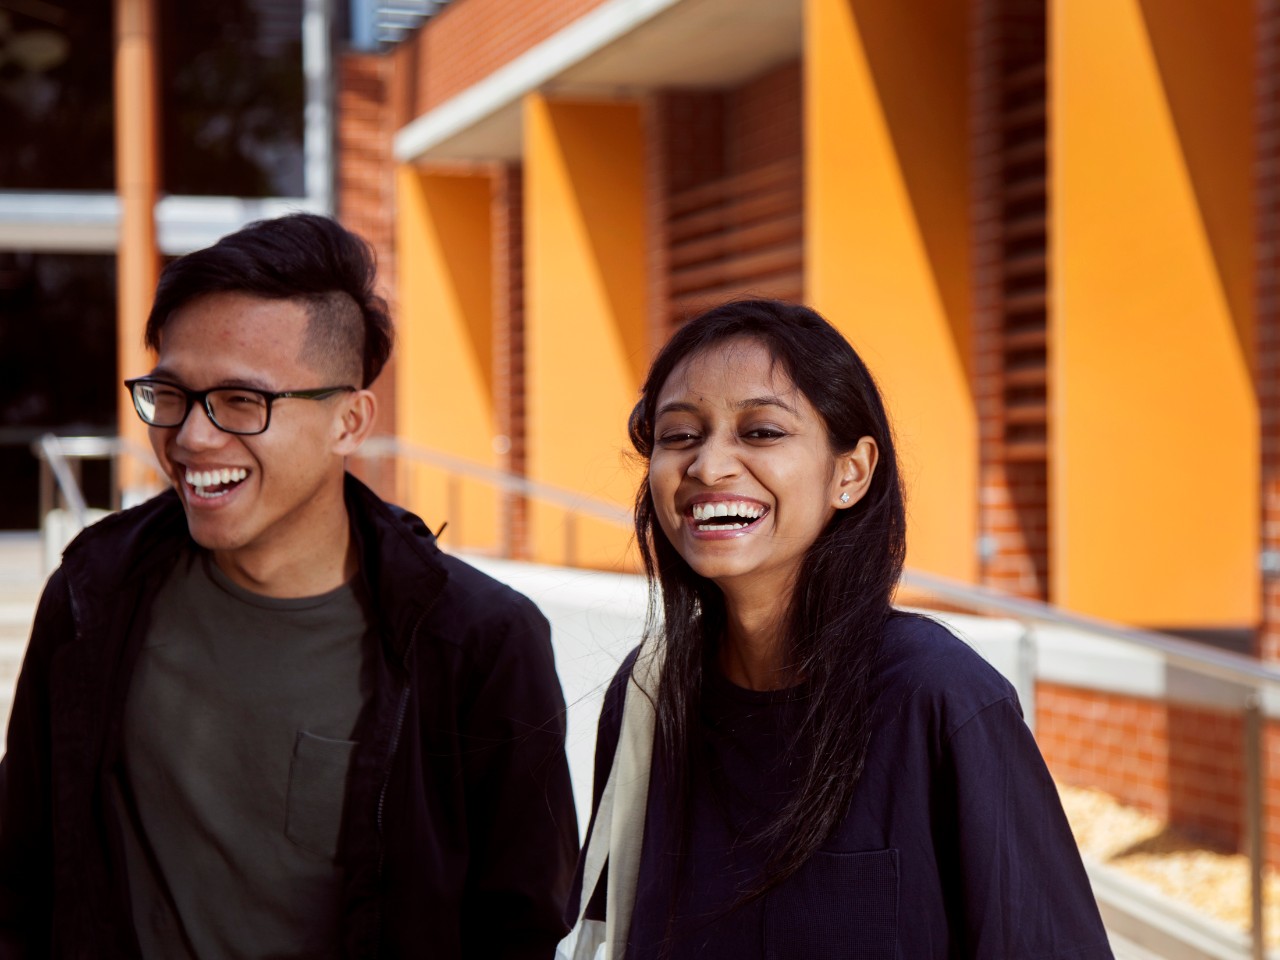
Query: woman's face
{"points": [[742, 475]]}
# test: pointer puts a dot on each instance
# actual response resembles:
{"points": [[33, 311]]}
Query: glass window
{"points": [[56, 96], [57, 366], [233, 97]]}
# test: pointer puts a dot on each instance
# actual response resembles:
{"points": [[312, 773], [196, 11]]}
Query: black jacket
{"points": [[459, 836]]}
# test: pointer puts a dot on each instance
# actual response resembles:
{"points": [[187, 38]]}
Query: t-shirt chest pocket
{"points": [[838, 905], [317, 791]]}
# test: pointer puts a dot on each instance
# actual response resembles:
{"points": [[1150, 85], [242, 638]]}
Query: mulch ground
{"points": [[1212, 882]]}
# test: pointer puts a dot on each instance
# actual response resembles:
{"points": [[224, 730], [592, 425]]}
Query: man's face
{"points": [[279, 485]]}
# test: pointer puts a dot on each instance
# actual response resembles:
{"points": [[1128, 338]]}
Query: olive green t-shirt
{"points": [[237, 743]]}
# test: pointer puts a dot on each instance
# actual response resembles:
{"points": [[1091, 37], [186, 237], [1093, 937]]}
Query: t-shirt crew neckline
{"points": [[724, 688], [244, 595]]}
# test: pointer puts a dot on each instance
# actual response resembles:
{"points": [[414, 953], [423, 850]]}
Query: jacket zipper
{"points": [[401, 708]]}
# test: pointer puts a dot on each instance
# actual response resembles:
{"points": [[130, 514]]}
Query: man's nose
{"points": [[198, 431]]}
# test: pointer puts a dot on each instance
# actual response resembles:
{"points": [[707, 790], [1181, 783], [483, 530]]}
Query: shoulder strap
{"points": [[618, 834]]}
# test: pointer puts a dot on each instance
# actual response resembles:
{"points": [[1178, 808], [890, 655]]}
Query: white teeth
{"points": [[727, 508], [722, 526], [209, 478]]}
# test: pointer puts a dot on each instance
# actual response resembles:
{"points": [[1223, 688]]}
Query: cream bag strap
{"points": [[618, 833]]}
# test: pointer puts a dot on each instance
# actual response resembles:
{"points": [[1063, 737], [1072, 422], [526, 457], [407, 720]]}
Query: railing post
{"points": [[453, 503], [1027, 669], [1254, 786], [117, 495], [46, 487], [570, 539]]}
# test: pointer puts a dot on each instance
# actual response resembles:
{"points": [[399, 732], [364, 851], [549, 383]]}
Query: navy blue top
{"points": [[955, 844]]}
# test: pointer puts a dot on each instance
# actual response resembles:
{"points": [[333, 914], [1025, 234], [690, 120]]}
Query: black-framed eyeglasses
{"points": [[243, 411]]}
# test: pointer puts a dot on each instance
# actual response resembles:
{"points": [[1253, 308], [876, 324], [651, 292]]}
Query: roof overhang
{"points": [[620, 49]]}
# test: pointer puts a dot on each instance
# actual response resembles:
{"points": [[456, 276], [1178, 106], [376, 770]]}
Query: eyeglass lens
{"points": [[235, 410]]}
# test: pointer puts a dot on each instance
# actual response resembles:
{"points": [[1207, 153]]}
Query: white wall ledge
{"points": [[89, 222]]}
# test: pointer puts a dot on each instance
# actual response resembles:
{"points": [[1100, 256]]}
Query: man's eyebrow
{"points": [[251, 383]]}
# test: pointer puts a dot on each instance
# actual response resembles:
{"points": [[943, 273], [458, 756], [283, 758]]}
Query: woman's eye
{"points": [[677, 438], [765, 433]]}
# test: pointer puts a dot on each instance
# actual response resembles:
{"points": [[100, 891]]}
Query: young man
{"points": [[262, 714]]}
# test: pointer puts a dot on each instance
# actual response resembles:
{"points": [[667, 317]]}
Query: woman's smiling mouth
{"points": [[725, 516]]}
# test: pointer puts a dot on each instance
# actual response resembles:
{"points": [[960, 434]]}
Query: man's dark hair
{"points": [[303, 257]]}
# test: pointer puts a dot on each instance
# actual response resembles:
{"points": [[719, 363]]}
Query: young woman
{"points": [[830, 778]]}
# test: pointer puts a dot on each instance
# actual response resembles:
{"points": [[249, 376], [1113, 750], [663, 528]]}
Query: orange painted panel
{"points": [[444, 381], [586, 311], [1154, 430], [886, 212]]}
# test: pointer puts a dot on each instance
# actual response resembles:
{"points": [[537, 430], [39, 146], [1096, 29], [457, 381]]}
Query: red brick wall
{"points": [[508, 345], [1271, 792], [764, 120], [365, 200], [470, 39], [684, 148], [1183, 764], [1112, 742], [727, 207], [1014, 496], [1268, 301]]}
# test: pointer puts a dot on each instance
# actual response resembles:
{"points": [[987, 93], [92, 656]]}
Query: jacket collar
{"points": [[400, 563]]}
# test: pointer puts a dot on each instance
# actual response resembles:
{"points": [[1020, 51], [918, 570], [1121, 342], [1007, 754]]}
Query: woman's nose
{"points": [[716, 460]]}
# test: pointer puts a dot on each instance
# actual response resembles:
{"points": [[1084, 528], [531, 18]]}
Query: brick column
{"points": [[1013, 494], [1268, 345], [508, 347], [365, 204], [685, 148]]}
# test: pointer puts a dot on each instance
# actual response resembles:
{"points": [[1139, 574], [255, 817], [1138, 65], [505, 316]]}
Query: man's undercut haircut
{"points": [[303, 257], [334, 342]]}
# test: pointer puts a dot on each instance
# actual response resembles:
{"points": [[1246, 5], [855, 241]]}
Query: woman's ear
{"points": [[354, 422], [853, 473]]}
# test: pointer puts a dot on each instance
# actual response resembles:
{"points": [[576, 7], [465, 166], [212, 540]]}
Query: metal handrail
{"points": [[50, 450], [385, 446], [1196, 657], [57, 476]]}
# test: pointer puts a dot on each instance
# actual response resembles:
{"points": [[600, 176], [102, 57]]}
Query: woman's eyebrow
{"points": [[677, 406], [751, 402]]}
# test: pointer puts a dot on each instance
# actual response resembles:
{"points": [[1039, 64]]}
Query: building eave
{"points": [[621, 48]]}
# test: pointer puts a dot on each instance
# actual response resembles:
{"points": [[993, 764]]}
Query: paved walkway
{"points": [[21, 579]]}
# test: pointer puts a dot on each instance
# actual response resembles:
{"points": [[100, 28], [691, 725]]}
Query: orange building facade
{"points": [[1051, 229], [1042, 224]]}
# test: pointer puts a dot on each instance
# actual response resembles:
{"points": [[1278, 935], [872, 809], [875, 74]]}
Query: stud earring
{"points": [[844, 498]]}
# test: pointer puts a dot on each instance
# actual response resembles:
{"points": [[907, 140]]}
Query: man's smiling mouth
{"points": [[211, 484]]}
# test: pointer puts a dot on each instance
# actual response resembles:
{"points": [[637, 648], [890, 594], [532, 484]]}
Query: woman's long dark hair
{"points": [[843, 593]]}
